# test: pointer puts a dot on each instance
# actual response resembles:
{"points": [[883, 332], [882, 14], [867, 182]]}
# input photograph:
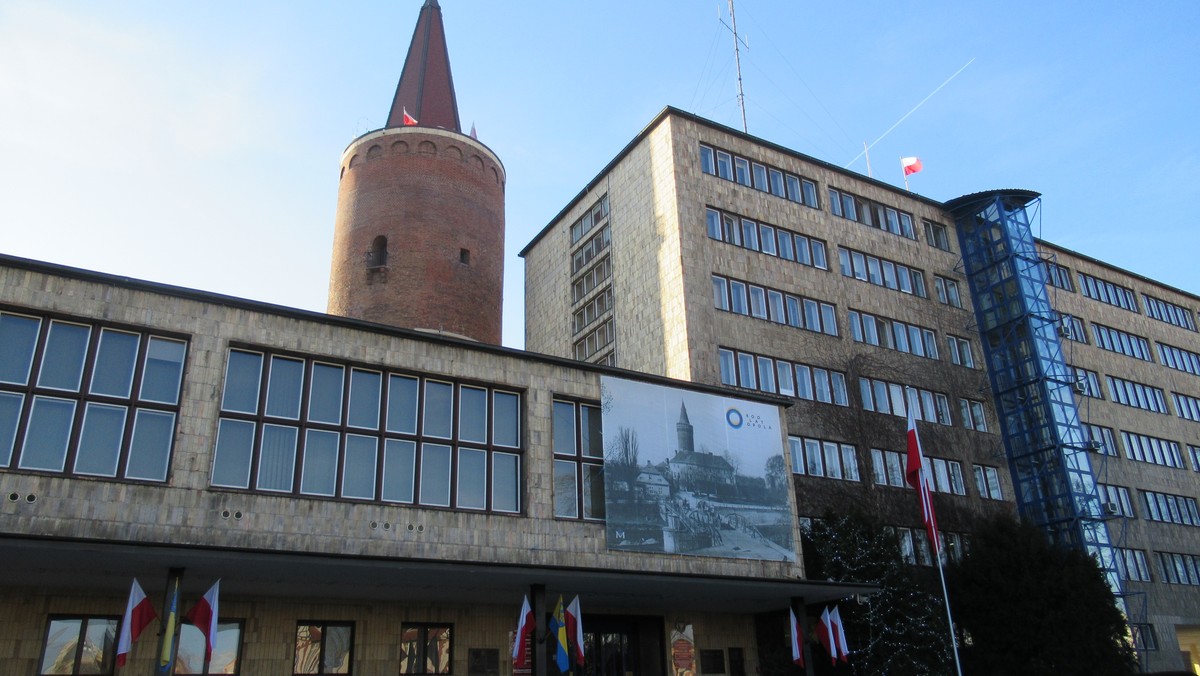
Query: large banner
{"points": [[693, 473]]}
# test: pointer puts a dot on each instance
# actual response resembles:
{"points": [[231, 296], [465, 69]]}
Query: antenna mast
{"points": [[737, 58]]}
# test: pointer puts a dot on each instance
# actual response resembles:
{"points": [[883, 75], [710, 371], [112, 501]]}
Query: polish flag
{"points": [[575, 629], [918, 477], [409, 120], [139, 613], [839, 632], [911, 165], [204, 616], [520, 654], [797, 639], [825, 635]]}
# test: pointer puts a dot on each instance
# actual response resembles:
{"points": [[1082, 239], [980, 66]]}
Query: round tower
{"points": [[419, 232]]}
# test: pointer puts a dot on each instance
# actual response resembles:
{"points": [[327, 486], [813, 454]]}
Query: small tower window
{"points": [[377, 254], [464, 256]]}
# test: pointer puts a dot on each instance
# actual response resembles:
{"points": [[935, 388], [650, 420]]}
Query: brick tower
{"points": [[419, 233]]}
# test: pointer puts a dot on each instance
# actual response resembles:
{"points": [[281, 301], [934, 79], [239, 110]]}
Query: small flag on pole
{"points": [[797, 639], [409, 120], [918, 477], [911, 165], [520, 652], [139, 613], [825, 635], [204, 616], [839, 633]]}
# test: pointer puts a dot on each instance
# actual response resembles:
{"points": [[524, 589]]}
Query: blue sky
{"points": [[197, 143]]}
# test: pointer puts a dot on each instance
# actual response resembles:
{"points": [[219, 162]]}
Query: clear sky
{"points": [[198, 143]]}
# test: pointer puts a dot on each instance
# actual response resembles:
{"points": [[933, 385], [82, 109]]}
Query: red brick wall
{"points": [[432, 194]]}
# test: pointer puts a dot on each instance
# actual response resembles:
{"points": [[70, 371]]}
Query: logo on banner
{"points": [[734, 418], [737, 420]]}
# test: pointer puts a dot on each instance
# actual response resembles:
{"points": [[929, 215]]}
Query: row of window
{"points": [[1107, 292], [821, 458], [1137, 395], [594, 217], [1179, 359], [1121, 342], [591, 279], [771, 240], [1058, 276], [302, 426], [1169, 312], [1187, 406], [1145, 448], [1071, 328], [591, 249], [85, 399], [1169, 508], [882, 396], [743, 298], [758, 176], [1179, 568], [592, 310], [871, 213], [915, 550], [1114, 500], [882, 272], [595, 341], [892, 334], [888, 469], [779, 376], [87, 645]]}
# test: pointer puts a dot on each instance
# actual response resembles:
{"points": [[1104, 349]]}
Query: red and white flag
{"points": [[917, 475], [204, 616], [825, 635], [139, 613], [797, 639], [911, 165], [575, 629], [520, 653], [409, 120], [839, 633]]}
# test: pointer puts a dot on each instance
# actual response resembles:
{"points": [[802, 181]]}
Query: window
{"points": [[1103, 436], [1169, 313], [226, 654], [377, 255], [594, 217], [960, 351], [591, 279], [1107, 292], [1179, 568], [972, 414], [881, 272], [774, 305], [1086, 383], [1114, 500], [1058, 276], [578, 461], [80, 645], [301, 426], [324, 648], [1143, 637], [758, 176], [1170, 508], [871, 213], [1194, 454], [886, 397], [947, 291], [947, 476], [936, 235], [776, 376], [887, 468], [426, 648], [892, 334], [1071, 328], [987, 482], [83, 399], [1121, 342], [1187, 406], [1137, 395], [1179, 359], [769, 239], [595, 341], [1131, 564], [591, 249], [817, 457], [1145, 448], [914, 546]]}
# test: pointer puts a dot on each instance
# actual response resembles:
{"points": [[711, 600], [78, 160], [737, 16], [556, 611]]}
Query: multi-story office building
{"points": [[705, 254]]}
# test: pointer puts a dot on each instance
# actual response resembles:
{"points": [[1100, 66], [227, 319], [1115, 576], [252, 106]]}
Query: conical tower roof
{"points": [[426, 89]]}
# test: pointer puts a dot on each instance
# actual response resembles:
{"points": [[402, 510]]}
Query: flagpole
{"points": [[949, 617], [905, 175]]}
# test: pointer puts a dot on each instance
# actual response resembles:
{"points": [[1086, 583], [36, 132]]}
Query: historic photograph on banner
{"points": [[694, 473]]}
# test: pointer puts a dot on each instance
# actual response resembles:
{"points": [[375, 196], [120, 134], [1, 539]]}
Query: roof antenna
{"points": [[737, 59]]}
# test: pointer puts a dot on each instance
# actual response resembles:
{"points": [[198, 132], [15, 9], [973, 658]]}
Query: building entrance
{"points": [[623, 646]]}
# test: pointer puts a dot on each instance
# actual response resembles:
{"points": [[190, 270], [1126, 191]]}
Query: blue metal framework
{"points": [[1033, 388]]}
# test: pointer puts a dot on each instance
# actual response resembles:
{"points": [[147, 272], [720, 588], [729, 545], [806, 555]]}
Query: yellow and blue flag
{"points": [[558, 627]]}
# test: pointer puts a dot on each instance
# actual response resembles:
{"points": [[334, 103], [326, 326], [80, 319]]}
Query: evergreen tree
{"points": [[901, 629], [1027, 606]]}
